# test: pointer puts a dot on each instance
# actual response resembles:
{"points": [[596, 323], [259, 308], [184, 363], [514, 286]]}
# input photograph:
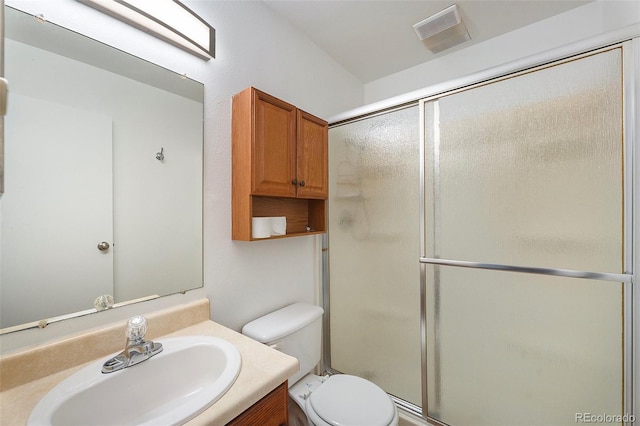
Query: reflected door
{"points": [[526, 172], [47, 146]]}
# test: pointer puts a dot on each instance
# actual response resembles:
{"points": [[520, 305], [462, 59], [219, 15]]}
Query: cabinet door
{"points": [[274, 147], [312, 156], [272, 410]]}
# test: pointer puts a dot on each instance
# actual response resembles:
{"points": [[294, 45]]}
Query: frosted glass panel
{"points": [[374, 250], [528, 170], [519, 349]]}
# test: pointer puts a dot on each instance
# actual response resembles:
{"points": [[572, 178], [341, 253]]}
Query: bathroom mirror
{"points": [[103, 176]]}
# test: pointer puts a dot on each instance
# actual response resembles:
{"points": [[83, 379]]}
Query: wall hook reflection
{"points": [[160, 155]]}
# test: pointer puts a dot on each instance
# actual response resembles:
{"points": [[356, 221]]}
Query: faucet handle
{"points": [[136, 328]]}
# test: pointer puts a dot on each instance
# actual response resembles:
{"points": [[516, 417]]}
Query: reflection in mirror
{"points": [[103, 176]]}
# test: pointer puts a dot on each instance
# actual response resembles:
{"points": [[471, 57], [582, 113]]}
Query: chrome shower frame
{"points": [[629, 39]]}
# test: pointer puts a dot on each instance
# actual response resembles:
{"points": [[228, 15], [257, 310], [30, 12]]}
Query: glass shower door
{"points": [[524, 247], [374, 291]]}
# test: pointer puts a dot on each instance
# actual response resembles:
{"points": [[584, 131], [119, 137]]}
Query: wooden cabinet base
{"points": [[272, 410]]}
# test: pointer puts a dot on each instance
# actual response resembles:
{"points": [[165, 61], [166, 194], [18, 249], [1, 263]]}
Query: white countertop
{"points": [[263, 369]]}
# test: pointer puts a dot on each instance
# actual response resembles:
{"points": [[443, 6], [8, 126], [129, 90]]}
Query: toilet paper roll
{"points": [[260, 227], [279, 225]]}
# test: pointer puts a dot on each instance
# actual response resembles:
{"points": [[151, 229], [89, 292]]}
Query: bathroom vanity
{"points": [[272, 410], [259, 393]]}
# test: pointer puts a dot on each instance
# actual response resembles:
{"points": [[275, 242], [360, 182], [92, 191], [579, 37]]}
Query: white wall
{"points": [[577, 24], [253, 48], [256, 48]]}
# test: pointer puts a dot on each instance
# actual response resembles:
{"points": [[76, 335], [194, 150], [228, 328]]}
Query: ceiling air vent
{"points": [[442, 30]]}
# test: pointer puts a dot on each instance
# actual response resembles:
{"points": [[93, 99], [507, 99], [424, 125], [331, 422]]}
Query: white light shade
{"points": [[169, 20]]}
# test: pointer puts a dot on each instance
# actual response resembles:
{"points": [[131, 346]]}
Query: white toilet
{"points": [[337, 400]]}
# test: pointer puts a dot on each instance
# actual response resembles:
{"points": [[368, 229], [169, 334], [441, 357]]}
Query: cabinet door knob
{"points": [[294, 182], [301, 183]]}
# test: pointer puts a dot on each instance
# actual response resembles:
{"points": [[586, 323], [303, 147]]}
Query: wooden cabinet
{"points": [[272, 410], [279, 165]]}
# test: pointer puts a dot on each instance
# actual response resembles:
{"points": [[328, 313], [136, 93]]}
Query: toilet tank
{"points": [[295, 330]]}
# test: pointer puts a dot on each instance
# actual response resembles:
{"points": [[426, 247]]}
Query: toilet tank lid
{"points": [[281, 323]]}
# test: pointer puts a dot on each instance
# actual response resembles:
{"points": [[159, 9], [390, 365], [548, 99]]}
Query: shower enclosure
{"points": [[479, 248]]}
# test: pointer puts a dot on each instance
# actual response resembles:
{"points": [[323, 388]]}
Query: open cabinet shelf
{"points": [[300, 213]]}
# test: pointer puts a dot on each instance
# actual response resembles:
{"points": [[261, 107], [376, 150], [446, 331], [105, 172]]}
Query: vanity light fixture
{"points": [[169, 20]]}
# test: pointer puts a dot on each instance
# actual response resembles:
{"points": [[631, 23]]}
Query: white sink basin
{"points": [[172, 387]]}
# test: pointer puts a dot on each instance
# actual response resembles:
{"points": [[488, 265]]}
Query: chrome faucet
{"points": [[136, 349]]}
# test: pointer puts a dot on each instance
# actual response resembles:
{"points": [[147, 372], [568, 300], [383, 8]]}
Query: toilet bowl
{"points": [[342, 399], [336, 400]]}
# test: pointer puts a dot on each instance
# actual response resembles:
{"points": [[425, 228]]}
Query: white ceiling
{"points": [[373, 39]]}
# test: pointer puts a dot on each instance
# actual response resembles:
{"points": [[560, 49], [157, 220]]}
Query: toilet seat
{"points": [[345, 400]]}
